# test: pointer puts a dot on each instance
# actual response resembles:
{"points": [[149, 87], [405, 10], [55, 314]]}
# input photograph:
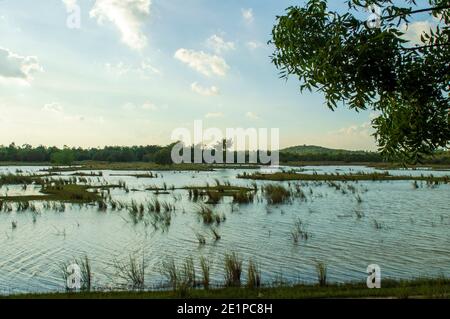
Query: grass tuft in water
{"points": [[132, 272], [254, 275], [233, 270], [321, 270]]}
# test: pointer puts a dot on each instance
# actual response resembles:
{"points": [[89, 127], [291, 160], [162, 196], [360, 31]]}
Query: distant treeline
{"points": [[162, 155], [372, 157], [27, 153]]}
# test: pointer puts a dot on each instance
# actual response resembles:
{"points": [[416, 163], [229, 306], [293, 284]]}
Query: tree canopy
{"points": [[372, 66]]}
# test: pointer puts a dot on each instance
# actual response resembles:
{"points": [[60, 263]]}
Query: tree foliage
{"points": [[63, 157], [363, 68]]}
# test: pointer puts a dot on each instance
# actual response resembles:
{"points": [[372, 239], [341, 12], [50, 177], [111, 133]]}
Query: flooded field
{"points": [[402, 225]]}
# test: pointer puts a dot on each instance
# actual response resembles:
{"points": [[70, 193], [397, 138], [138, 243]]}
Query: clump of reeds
{"points": [[359, 213], [254, 275], [180, 280], [214, 197], [102, 205], [299, 231], [321, 270], [208, 216], [243, 197], [205, 265], [188, 273], [359, 199], [377, 224], [169, 270], [215, 233], [276, 194], [133, 272], [86, 273], [233, 270]]}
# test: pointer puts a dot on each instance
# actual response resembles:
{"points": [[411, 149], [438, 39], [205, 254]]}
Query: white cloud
{"points": [[214, 115], [248, 16], [16, 67], [146, 66], [414, 30], [145, 69], [219, 45], [252, 116], [202, 62], [356, 136], [117, 69], [127, 15], [206, 91], [149, 106], [356, 129], [253, 45], [52, 108]]}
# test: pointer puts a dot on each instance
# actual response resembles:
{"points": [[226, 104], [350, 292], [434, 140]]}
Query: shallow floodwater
{"points": [[412, 240]]}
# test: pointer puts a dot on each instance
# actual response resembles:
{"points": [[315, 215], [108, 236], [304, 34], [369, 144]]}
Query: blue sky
{"points": [[137, 69]]}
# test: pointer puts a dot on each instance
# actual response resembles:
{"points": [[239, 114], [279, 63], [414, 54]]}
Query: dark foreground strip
{"points": [[358, 308]]}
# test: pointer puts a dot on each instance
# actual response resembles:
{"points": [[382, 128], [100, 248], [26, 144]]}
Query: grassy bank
{"points": [[147, 166], [293, 176], [419, 288], [378, 165]]}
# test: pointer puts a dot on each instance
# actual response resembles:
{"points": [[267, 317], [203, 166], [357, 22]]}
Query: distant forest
{"points": [[161, 155]]}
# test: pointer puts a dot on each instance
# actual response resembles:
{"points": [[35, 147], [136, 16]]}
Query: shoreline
{"points": [[415, 288], [142, 166]]}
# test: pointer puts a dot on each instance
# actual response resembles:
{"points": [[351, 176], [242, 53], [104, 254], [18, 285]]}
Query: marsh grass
{"points": [[321, 270], [184, 279], [208, 216], [243, 197], [215, 234], [205, 266], [253, 275], [358, 176], [359, 199], [188, 272], [132, 272], [359, 213], [299, 231], [233, 270], [86, 273], [276, 194], [213, 197], [378, 225], [169, 270]]}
